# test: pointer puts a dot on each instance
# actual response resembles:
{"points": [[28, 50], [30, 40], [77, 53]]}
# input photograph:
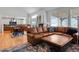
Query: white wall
{"points": [[1, 24]]}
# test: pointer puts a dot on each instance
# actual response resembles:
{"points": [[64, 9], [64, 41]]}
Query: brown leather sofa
{"points": [[39, 32]]}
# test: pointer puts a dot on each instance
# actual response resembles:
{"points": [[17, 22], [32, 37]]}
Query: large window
{"points": [[20, 21], [54, 21], [74, 22], [34, 22], [65, 22]]}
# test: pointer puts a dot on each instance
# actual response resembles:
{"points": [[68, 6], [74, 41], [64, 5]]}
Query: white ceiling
{"points": [[60, 12], [24, 11], [31, 10], [9, 11], [64, 11], [21, 11]]}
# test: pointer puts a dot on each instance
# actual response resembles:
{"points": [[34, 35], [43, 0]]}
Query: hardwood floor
{"points": [[6, 41]]}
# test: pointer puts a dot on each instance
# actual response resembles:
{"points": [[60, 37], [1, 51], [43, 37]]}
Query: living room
{"points": [[39, 29]]}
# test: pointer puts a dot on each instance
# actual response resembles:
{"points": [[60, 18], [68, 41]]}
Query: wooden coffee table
{"points": [[58, 39]]}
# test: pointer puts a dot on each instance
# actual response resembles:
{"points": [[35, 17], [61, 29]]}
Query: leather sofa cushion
{"points": [[45, 29], [71, 31], [40, 29], [62, 29], [34, 30]]}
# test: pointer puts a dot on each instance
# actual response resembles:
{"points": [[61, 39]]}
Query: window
{"points": [[54, 21], [20, 21], [74, 22], [65, 22], [34, 21]]}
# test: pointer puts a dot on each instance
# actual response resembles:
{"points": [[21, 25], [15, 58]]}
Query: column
{"points": [[78, 30], [60, 24], [69, 17]]}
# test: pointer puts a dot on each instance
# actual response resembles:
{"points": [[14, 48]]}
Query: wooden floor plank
{"points": [[6, 41]]}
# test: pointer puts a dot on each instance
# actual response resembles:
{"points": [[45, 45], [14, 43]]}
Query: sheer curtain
{"points": [[64, 22], [54, 21], [74, 22]]}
